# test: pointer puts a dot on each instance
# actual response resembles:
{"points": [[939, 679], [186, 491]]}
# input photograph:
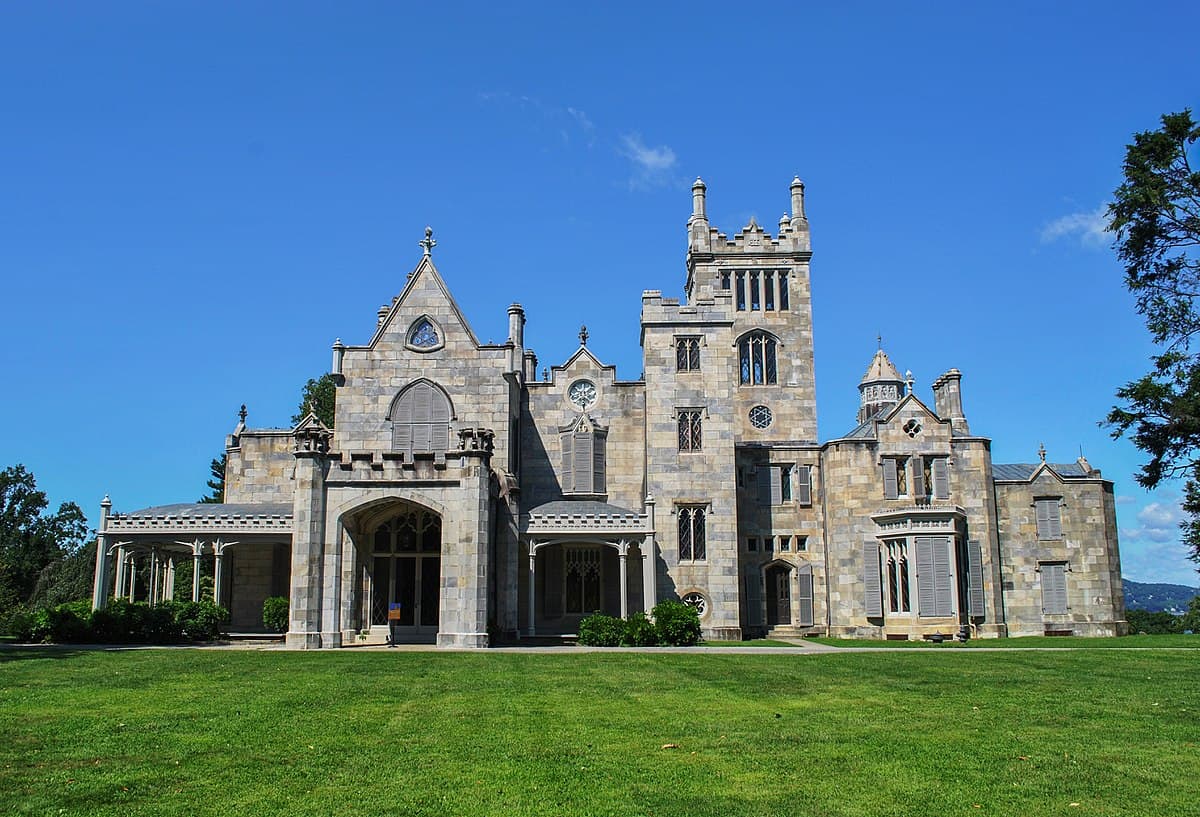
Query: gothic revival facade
{"points": [[459, 497]]}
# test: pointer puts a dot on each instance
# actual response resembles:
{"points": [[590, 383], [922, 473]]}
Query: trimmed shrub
{"points": [[639, 632], [678, 624], [201, 620], [17, 622], [599, 630], [275, 614]]}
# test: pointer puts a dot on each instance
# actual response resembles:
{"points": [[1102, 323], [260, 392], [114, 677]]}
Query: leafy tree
{"points": [[1155, 216], [1152, 623], [216, 485], [320, 395], [31, 539]]}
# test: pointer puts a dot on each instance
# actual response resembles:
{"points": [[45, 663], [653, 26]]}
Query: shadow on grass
{"points": [[10, 652]]}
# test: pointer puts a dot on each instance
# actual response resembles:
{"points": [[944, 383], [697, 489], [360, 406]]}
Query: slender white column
{"points": [[153, 599], [218, 576], [131, 571], [648, 583], [196, 575], [531, 630], [170, 583], [119, 581], [623, 554]]}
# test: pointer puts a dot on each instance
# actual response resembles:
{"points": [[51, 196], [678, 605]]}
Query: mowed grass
{"points": [[229, 732], [1033, 641]]}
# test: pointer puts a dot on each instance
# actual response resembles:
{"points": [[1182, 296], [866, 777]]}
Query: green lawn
{"points": [[226, 732], [1036, 641]]}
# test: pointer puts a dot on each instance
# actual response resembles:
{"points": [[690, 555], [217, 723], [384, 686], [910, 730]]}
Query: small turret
{"points": [[798, 203], [881, 387]]}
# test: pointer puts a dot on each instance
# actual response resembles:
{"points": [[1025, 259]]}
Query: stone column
{"points": [[463, 612], [308, 538], [154, 583], [131, 574], [623, 554], [218, 574], [331, 587], [119, 582], [532, 629], [649, 560], [351, 572], [100, 579]]}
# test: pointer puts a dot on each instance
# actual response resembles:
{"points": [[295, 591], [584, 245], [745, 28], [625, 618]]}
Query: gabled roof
{"points": [[1025, 471], [424, 268], [881, 368]]}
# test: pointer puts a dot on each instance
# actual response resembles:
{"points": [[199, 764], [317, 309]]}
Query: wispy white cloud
{"points": [[1151, 549], [1087, 227], [652, 166], [567, 121]]}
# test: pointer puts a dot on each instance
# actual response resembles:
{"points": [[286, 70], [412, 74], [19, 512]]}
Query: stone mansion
{"points": [[460, 499]]}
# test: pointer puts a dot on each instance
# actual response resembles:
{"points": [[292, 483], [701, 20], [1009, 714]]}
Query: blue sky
{"points": [[199, 197]]}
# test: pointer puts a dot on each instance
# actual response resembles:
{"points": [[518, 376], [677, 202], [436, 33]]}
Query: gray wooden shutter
{"points": [[941, 479], [943, 576], [598, 464], [889, 478], [1043, 518], [583, 463], [871, 584], [1054, 589], [402, 426], [975, 605], [918, 477], [925, 573], [439, 418], [1054, 517], [753, 597], [422, 418], [763, 473], [776, 485], [803, 485], [804, 595], [568, 462]]}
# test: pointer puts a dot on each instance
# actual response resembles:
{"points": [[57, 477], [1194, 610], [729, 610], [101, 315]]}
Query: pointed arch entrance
{"points": [[405, 572]]}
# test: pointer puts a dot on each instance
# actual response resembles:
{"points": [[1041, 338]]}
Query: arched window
{"points": [[757, 361], [420, 420], [424, 335]]}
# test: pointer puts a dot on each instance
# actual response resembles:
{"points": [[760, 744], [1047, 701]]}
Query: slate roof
{"points": [[881, 368], [582, 506], [189, 509], [1022, 471]]}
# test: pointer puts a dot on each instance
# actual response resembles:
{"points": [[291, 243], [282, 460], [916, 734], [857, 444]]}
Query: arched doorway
{"points": [[406, 573], [779, 596]]}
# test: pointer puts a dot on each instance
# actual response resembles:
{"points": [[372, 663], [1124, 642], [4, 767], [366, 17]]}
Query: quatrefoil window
{"points": [[424, 335], [913, 427]]}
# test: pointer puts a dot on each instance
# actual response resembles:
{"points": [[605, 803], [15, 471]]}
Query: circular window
{"points": [[760, 417], [582, 393], [698, 601], [913, 427]]}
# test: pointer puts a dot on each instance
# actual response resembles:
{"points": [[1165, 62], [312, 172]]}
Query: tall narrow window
{"points": [[740, 294], [1049, 517], [769, 291], [691, 533], [899, 588], [754, 296], [689, 430], [1054, 588], [420, 418], [783, 290], [757, 359], [725, 280], [687, 354], [583, 458]]}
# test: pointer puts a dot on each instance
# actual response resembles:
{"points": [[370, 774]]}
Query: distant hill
{"points": [[1173, 598]]}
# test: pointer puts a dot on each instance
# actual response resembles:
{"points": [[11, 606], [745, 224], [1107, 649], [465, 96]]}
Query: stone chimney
{"points": [[947, 400]]}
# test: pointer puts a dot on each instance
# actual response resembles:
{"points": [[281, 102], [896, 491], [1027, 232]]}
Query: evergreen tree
{"points": [[320, 395], [216, 485], [1155, 216]]}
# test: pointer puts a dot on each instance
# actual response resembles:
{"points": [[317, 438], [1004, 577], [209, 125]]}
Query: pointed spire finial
{"points": [[545, 373], [242, 413], [1042, 451], [583, 335], [428, 242], [879, 341], [909, 380]]}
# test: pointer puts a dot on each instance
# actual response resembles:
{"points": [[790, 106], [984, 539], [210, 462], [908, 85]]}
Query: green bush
{"points": [[678, 624], [201, 620], [639, 632], [275, 614], [599, 630], [17, 622]]}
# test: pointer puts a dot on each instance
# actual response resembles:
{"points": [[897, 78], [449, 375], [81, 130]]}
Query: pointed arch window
{"points": [[420, 418], [758, 360], [424, 335]]}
